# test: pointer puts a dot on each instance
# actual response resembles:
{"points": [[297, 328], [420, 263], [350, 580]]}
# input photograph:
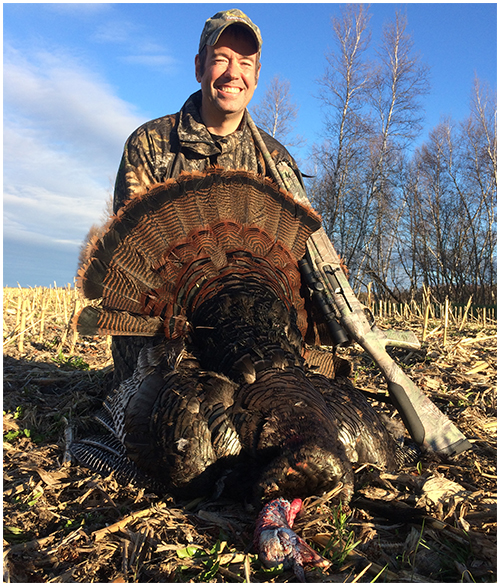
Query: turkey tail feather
{"points": [[92, 320], [165, 245]]}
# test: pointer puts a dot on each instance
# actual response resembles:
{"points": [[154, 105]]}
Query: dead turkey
{"points": [[223, 401]]}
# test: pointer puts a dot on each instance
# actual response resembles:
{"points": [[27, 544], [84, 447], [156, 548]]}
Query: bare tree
{"points": [[452, 206], [343, 91], [403, 219], [480, 158], [401, 79], [374, 112], [483, 118], [277, 113], [399, 82]]}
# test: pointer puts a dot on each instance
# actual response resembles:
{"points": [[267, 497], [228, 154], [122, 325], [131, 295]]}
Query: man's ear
{"points": [[257, 75], [197, 68]]}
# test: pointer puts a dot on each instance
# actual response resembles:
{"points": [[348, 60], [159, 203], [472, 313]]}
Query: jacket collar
{"points": [[194, 135]]}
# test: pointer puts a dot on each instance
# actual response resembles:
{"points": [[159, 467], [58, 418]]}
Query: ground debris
{"points": [[433, 521]]}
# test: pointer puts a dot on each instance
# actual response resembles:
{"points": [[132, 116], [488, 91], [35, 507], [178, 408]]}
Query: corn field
{"points": [[64, 523], [38, 309]]}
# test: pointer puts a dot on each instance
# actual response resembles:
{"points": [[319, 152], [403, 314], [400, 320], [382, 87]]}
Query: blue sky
{"points": [[79, 78]]}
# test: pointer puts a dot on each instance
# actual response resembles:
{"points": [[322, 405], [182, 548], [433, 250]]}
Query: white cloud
{"points": [[78, 8], [55, 94], [64, 130], [118, 32], [135, 39], [161, 62]]}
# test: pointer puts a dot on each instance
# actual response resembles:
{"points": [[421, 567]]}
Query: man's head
{"points": [[227, 66]]}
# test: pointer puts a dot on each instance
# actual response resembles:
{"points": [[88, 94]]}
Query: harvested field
{"points": [[432, 522]]}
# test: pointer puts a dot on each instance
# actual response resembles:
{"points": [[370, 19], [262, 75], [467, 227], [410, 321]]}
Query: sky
{"points": [[79, 78]]}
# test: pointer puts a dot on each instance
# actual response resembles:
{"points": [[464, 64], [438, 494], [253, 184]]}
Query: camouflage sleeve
{"points": [[136, 171]]}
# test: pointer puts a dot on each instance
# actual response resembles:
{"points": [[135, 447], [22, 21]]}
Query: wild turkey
{"points": [[224, 401]]}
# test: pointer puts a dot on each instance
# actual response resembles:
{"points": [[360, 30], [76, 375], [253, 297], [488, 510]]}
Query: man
{"points": [[212, 128]]}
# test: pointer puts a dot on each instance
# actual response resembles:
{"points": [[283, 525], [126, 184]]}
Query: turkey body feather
{"points": [[224, 399]]}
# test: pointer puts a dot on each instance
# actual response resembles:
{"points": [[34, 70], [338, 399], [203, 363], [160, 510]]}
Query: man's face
{"points": [[229, 77]]}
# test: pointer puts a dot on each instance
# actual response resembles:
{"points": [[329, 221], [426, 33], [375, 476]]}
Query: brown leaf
{"points": [[52, 478], [439, 489]]}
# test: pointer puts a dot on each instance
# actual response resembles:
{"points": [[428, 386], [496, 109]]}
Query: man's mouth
{"points": [[228, 89]]}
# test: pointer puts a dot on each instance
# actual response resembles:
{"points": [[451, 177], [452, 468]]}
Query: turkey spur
{"points": [[223, 400]]}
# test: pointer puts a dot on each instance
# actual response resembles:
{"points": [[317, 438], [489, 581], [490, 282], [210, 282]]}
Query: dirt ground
{"points": [[434, 521]]}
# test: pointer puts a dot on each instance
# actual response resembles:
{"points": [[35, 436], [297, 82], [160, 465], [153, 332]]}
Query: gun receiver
{"points": [[320, 297]]}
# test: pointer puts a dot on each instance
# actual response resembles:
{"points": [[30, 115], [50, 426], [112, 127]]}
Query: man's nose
{"points": [[233, 69]]}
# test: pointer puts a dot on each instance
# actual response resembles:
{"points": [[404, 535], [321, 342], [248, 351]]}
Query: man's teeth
{"points": [[230, 90]]}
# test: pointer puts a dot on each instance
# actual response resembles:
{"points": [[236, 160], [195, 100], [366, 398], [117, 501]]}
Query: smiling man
{"points": [[228, 71], [211, 129], [212, 126]]}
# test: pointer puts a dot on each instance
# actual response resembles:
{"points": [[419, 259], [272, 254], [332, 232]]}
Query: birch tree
{"points": [[399, 82], [452, 206], [374, 113], [277, 113], [343, 90]]}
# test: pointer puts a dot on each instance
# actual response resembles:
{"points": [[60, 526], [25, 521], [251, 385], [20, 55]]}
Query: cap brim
{"points": [[215, 36]]}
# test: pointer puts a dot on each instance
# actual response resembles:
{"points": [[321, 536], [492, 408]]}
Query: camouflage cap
{"points": [[219, 22]]}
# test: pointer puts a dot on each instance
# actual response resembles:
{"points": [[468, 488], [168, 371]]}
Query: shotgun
{"points": [[349, 321], [427, 425]]}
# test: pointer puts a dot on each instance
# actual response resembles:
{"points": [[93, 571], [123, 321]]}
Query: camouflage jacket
{"points": [[162, 148]]}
